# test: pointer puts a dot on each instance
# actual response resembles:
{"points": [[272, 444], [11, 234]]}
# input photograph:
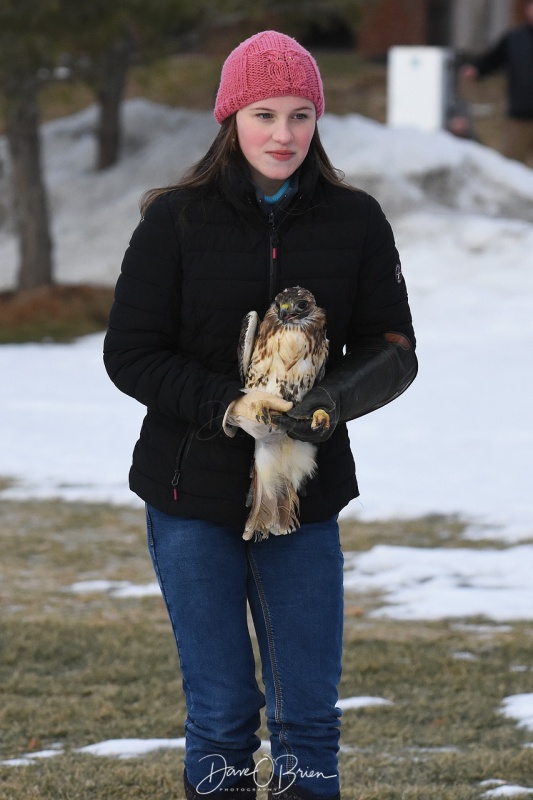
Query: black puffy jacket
{"points": [[514, 51], [196, 264]]}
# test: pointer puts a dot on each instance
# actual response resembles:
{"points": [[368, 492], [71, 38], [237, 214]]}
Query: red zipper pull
{"points": [[175, 481]]}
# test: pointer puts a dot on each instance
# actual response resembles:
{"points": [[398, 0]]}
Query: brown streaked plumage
{"points": [[284, 355]]}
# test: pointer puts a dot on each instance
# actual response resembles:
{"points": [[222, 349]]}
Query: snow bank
{"points": [[458, 442], [94, 213]]}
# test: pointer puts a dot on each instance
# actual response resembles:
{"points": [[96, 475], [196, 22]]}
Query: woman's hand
{"points": [[252, 413]]}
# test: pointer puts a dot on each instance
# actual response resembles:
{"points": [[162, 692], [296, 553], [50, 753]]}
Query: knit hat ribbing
{"points": [[269, 64]]}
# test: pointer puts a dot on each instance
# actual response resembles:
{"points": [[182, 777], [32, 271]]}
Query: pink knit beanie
{"points": [[269, 64]]}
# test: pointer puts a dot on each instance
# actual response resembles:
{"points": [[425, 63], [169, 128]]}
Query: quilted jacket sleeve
{"points": [[141, 353], [493, 59], [381, 303]]}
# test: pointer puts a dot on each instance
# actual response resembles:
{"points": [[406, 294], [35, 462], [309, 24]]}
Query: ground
{"points": [[76, 669], [80, 668], [53, 313]]}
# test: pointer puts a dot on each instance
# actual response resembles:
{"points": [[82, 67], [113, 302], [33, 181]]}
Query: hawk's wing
{"points": [[249, 327], [323, 357]]}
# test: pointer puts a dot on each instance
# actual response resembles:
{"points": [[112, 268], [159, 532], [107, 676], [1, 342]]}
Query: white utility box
{"points": [[418, 86]]}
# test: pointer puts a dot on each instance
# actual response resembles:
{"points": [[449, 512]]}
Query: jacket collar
{"points": [[238, 189]]}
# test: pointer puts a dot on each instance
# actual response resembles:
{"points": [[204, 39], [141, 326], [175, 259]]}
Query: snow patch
{"points": [[433, 583], [363, 702], [520, 708]]}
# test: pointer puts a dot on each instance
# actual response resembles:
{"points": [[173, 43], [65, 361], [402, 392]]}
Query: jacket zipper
{"points": [[273, 275], [180, 458]]}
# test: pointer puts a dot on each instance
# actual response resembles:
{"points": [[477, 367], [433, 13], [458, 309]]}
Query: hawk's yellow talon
{"points": [[320, 420], [263, 415]]}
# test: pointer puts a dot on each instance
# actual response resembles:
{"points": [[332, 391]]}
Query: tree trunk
{"points": [[28, 188], [110, 93]]}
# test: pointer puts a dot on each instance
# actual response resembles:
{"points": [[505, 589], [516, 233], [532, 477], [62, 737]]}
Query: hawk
{"points": [[284, 355]]}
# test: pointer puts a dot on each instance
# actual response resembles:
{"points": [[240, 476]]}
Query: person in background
{"points": [[262, 211], [514, 53], [459, 119]]}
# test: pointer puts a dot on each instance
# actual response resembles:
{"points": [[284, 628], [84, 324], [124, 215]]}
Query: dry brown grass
{"points": [[78, 669], [57, 313]]}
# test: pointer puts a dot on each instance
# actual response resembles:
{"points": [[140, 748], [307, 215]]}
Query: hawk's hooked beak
{"points": [[285, 312]]}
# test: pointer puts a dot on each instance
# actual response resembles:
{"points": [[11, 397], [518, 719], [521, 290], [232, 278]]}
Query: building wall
{"points": [[469, 27], [385, 23], [517, 11], [479, 22]]}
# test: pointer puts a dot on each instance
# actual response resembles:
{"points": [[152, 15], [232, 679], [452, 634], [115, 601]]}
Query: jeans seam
{"points": [[278, 695], [165, 599]]}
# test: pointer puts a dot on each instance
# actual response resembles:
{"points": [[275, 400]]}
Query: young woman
{"points": [[262, 211]]}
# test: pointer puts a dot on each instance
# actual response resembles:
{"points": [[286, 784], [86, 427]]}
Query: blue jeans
{"points": [[293, 585]]}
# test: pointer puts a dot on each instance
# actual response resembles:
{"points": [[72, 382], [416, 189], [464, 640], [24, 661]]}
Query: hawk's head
{"points": [[295, 306]]}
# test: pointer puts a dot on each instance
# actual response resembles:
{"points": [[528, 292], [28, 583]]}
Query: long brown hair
{"points": [[225, 152]]}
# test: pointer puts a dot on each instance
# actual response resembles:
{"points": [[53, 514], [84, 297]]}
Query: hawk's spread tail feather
{"points": [[279, 471]]}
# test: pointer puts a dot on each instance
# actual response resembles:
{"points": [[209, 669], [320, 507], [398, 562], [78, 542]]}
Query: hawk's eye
{"points": [[303, 305]]}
